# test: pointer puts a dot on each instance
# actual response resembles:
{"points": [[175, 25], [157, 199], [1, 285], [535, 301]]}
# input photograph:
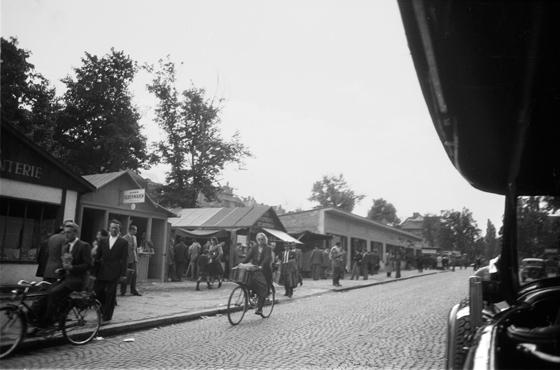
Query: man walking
{"points": [[194, 252], [131, 262], [316, 261], [181, 256], [337, 258], [110, 266]]}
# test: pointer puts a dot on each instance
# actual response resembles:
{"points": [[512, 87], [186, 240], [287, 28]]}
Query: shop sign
{"points": [[22, 169], [134, 196]]}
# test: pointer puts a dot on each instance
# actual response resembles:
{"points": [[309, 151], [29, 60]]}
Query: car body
{"points": [[489, 74], [532, 269]]}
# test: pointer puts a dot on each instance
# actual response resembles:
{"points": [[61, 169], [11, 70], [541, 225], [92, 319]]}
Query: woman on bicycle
{"points": [[261, 255]]}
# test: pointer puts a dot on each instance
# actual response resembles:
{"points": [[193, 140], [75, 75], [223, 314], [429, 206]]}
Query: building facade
{"points": [[353, 232]]}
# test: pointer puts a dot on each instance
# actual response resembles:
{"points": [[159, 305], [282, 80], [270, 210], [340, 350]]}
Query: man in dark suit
{"points": [[110, 268], [49, 256], [76, 262], [181, 257]]}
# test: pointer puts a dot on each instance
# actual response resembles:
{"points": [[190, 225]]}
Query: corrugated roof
{"points": [[101, 179], [219, 218]]}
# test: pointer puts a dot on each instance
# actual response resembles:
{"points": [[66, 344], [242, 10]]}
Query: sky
{"points": [[314, 88]]}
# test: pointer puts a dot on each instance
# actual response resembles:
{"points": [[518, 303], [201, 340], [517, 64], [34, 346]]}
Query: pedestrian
{"points": [[202, 261], [336, 256], [132, 261], [260, 255], [193, 253], [299, 263], [356, 265], [49, 256], [439, 262], [110, 267], [180, 257], [389, 264], [316, 262], [215, 255], [76, 263], [326, 264], [288, 270], [170, 260], [365, 265], [419, 263]]}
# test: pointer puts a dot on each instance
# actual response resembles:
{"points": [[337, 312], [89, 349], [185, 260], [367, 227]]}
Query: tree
{"points": [[384, 212], [99, 124], [431, 227], [193, 147], [333, 191], [28, 101], [490, 241], [459, 232], [536, 229]]}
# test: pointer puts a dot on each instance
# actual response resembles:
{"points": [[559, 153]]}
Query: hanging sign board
{"points": [[134, 196]]}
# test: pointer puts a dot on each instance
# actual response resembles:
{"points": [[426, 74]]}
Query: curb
{"points": [[150, 323]]}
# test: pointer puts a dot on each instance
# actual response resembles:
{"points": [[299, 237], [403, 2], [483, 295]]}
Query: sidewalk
{"points": [[172, 302]]}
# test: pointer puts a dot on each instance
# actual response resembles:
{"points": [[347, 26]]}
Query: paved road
{"points": [[397, 325]]}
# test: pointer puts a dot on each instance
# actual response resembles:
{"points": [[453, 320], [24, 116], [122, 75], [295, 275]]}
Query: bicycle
{"points": [[78, 317], [243, 297]]}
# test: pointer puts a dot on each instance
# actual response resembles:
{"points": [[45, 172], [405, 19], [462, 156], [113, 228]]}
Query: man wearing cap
{"points": [[49, 256], [76, 262]]}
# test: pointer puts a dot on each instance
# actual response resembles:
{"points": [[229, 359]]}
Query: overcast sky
{"points": [[314, 88]]}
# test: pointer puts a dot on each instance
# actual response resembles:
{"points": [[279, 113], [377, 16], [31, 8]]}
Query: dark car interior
{"points": [[490, 75]]}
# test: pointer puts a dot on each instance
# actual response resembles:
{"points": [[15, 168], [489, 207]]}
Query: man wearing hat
{"points": [[76, 262]]}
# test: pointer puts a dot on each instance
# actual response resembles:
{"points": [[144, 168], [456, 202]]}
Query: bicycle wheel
{"points": [[269, 303], [12, 330], [81, 324], [237, 305]]}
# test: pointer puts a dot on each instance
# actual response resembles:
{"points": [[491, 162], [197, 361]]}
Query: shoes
{"points": [[122, 293], [258, 312], [137, 293]]}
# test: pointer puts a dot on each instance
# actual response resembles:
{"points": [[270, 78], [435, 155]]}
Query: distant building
{"points": [[353, 232], [415, 225], [224, 199]]}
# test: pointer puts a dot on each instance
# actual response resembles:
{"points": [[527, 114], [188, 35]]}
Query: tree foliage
{"points": [[99, 125], [28, 101], [431, 228], [537, 230], [193, 147], [491, 245], [459, 231], [333, 191], [384, 212]]}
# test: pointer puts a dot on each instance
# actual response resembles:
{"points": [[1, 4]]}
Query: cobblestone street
{"points": [[399, 325]]}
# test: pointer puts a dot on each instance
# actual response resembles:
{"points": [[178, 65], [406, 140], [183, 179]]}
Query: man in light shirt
{"points": [[110, 268], [132, 261]]}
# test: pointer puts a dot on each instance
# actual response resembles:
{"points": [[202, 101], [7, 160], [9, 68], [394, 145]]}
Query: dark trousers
{"points": [[130, 279], [316, 271], [180, 269], [56, 294], [106, 292], [338, 272]]}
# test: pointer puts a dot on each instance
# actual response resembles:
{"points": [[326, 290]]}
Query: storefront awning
{"points": [[282, 236]]}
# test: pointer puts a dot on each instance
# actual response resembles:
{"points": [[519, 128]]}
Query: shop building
{"points": [[119, 195], [231, 225], [353, 232], [37, 192]]}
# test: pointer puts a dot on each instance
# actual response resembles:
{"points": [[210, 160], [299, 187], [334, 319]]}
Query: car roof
{"points": [[489, 74]]}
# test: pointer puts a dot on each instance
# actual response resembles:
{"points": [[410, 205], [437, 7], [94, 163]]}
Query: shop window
{"points": [[23, 225]]}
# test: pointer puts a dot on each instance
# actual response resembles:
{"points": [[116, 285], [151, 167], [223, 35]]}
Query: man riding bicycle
{"points": [[76, 262], [261, 255]]}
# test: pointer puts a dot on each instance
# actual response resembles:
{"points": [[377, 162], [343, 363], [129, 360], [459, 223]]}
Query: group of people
{"points": [[71, 264], [187, 258]]}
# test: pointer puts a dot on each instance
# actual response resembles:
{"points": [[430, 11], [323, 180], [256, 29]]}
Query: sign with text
{"points": [[134, 196]]}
